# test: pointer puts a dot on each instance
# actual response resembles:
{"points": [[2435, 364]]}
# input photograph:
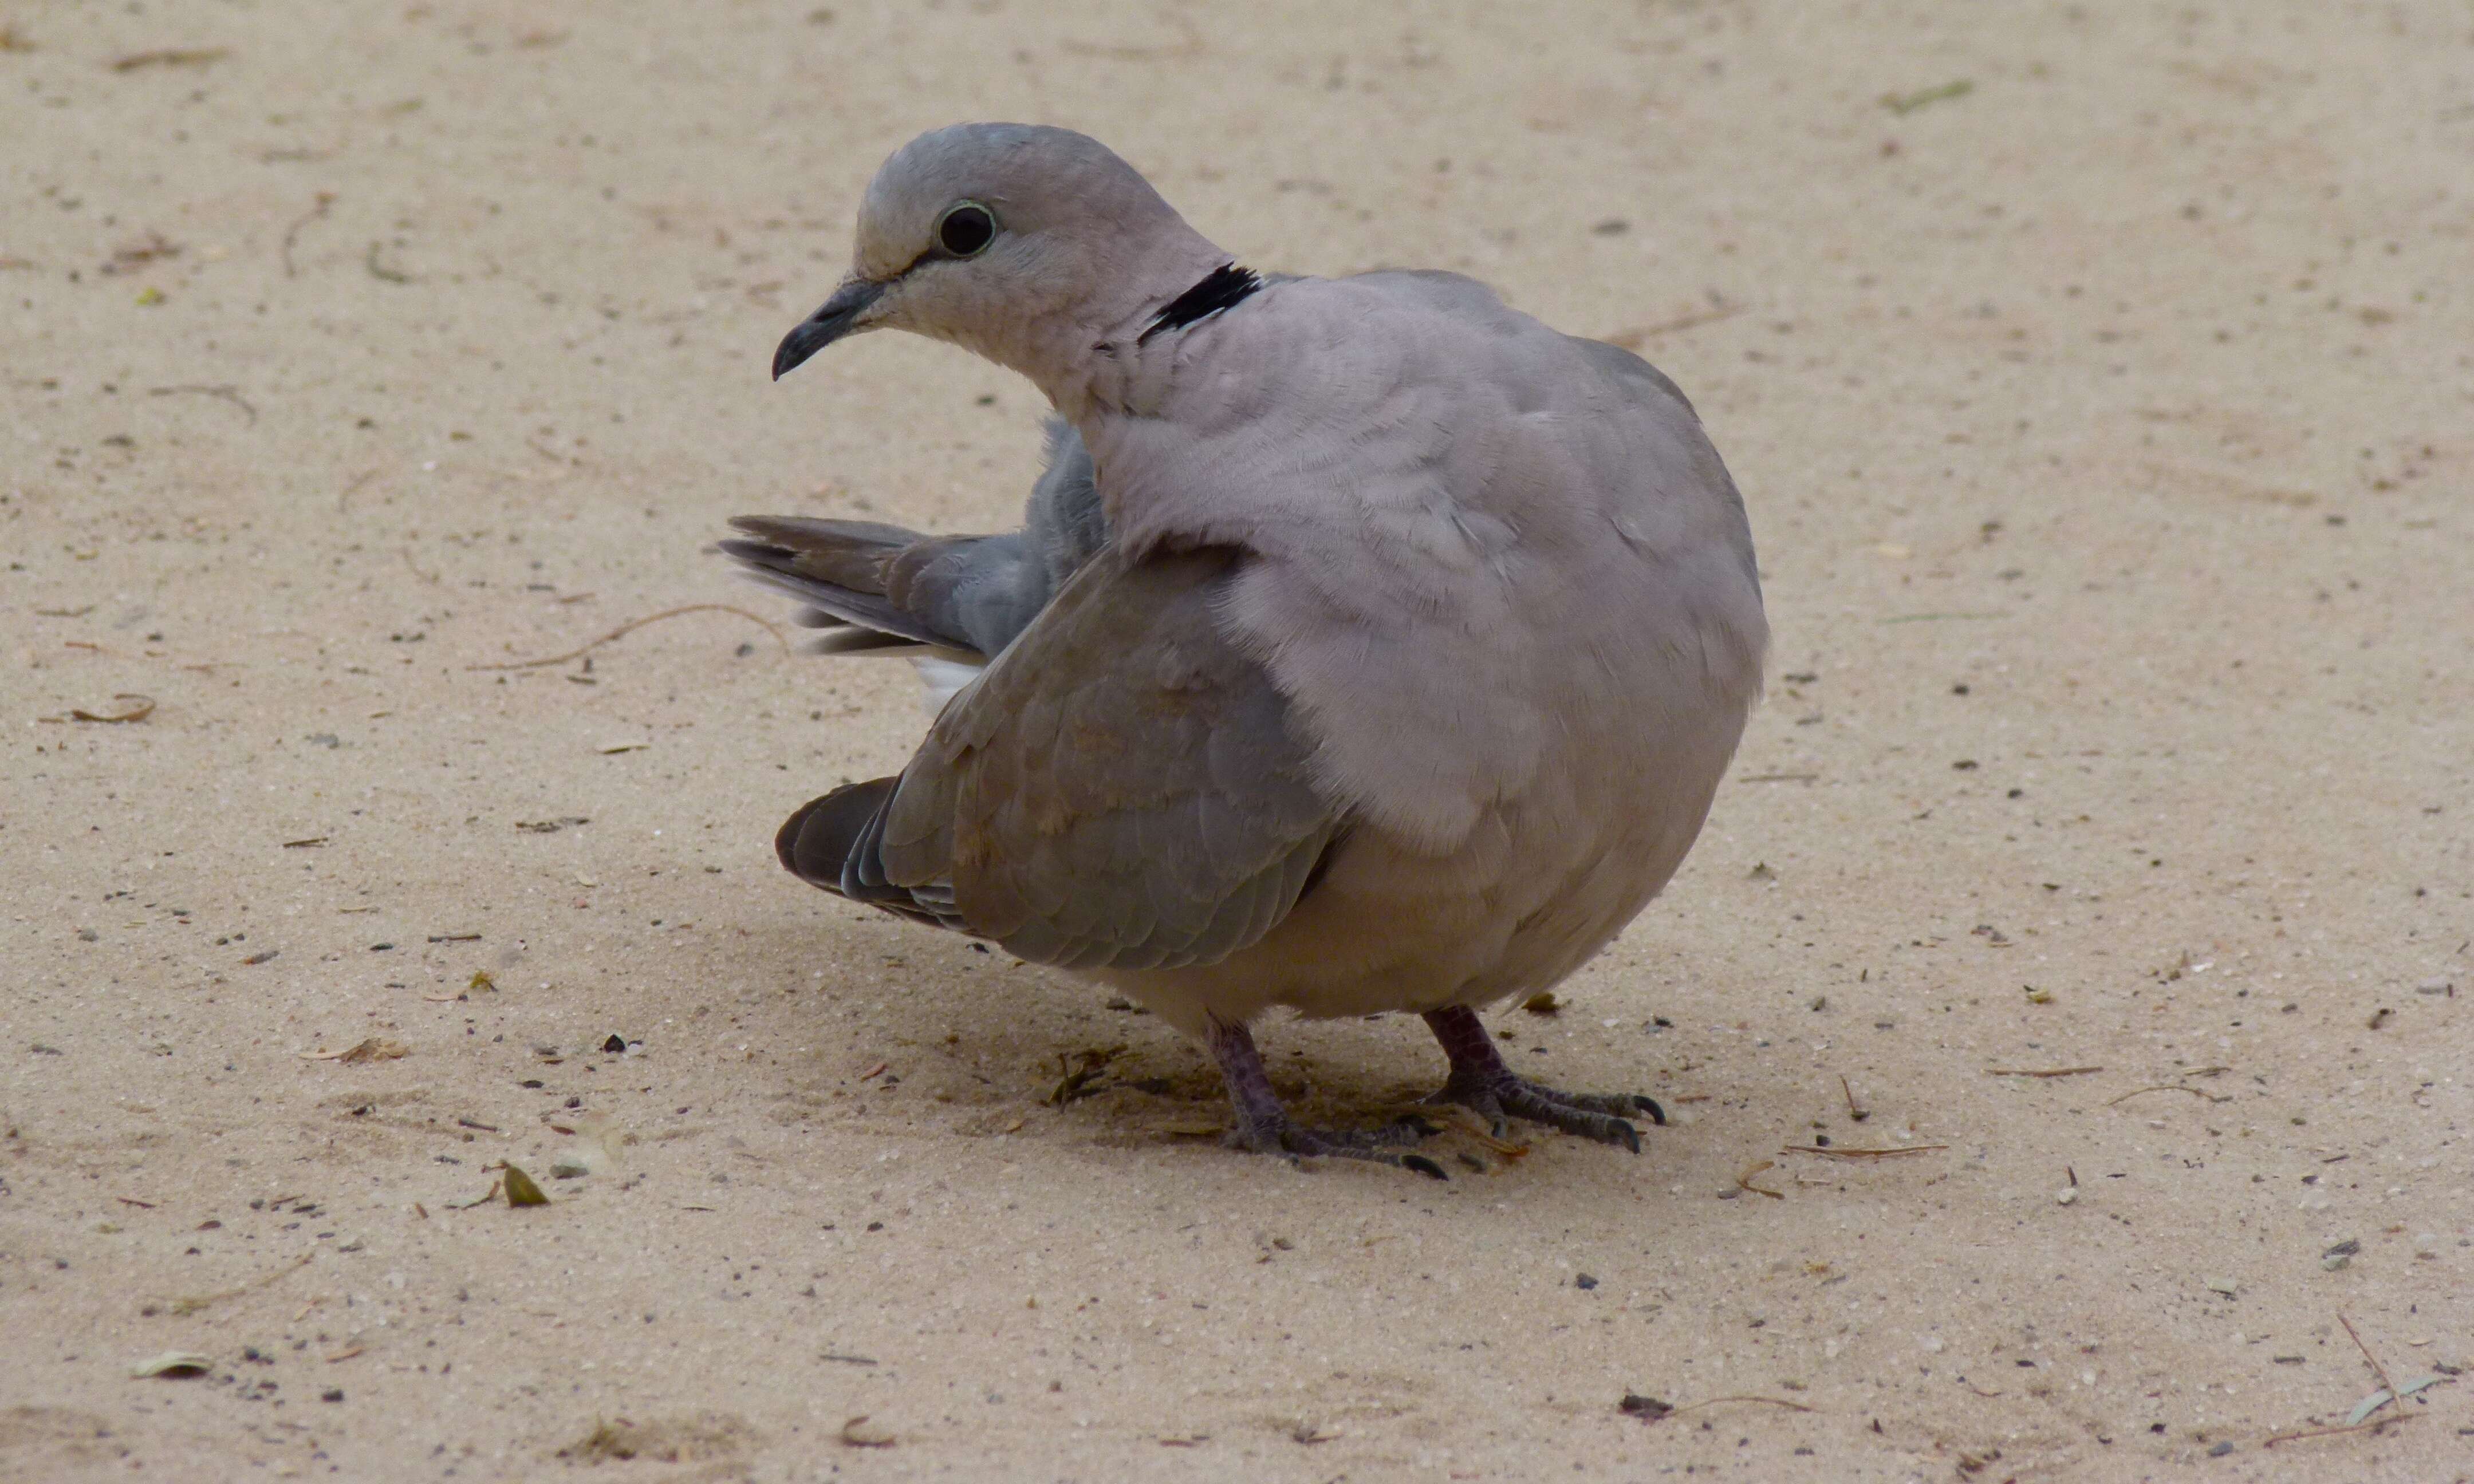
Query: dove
{"points": [[1370, 647]]}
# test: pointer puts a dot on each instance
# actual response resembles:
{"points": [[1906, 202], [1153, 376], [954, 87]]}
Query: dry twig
{"points": [[627, 629], [1792, 1406], [2169, 1087], [1640, 335], [2377, 1369], [291, 233], [2373, 1426]]}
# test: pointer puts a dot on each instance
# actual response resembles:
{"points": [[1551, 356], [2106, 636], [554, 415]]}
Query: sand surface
{"points": [[2108, 430]]}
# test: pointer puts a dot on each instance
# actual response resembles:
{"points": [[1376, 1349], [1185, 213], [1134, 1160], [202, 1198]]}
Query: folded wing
{"points": [[1123, 788]]}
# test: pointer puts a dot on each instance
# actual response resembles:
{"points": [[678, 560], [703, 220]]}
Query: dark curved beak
{"points": [[839, 318]]}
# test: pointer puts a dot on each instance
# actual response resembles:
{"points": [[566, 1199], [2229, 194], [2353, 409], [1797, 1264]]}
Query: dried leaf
{"points": [[1905, 103], [1543, 1003], [138, 709], [1081, 1073], [859, 1432], [376, 1048], [2381, 1397], [171, 57], [521, 1190]]}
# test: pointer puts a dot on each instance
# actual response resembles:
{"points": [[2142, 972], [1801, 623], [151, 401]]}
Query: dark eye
{"points": [[965, 230]]}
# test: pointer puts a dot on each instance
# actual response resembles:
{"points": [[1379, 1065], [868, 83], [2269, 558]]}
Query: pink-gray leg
{"points": [[1481, 1081], [1263, 1125]]}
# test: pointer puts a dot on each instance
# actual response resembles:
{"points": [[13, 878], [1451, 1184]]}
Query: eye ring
{"points": [[965, 230]]}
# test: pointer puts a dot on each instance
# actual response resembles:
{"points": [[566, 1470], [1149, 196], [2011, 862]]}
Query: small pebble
{"points": [[569, 1169], [1585, 1282], [2066, 1197], [2220, 1451]]}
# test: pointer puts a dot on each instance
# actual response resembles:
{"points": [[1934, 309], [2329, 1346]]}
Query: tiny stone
{"points": [[1583, 1282], [334, 1394], [2066, 1197], [2220, 1451], [615, 1045], [569, 1169]]}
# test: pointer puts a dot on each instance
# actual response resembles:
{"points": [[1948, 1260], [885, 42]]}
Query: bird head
{"points": [[1018, 242]]}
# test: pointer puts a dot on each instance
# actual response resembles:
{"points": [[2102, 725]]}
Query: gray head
{"points": [[1019, 242]]}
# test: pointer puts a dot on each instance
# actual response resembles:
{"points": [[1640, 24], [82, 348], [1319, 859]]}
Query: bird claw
{"points": [[1590, 1115]]}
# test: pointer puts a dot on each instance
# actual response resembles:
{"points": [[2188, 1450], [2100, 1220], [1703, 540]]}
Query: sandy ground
{"points": [[2108, 437]]}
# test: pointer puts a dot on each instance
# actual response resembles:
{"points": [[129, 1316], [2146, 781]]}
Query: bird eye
{"points": [[966, 228]]}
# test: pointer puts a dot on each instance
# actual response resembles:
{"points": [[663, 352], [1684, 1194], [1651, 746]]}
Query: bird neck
{"points": [[1098, 357]]}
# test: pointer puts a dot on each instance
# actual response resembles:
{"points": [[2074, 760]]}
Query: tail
{"points": [[875, 587], [871, 586]]}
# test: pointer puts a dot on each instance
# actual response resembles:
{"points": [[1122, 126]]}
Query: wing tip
{"points": [[814, 843]]}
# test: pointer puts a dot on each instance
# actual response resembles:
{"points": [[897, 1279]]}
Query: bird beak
{"points": [[840, 315]]}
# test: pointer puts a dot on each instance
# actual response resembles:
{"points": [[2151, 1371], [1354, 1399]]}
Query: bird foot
{"points": [[1263, 1126], [1592, 1116], [1481, 1083]]}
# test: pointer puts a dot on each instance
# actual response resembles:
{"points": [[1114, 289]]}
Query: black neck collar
{"points": [[1223, 288]]}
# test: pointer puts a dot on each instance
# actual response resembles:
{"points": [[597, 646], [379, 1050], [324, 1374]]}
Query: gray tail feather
{"points": [[838, 569]]}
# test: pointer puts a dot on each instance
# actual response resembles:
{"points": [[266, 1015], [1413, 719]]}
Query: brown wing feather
{"points": [[1123, 788]]}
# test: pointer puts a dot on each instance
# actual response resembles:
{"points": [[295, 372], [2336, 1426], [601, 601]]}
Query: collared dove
{"points": [[1369, 646]]}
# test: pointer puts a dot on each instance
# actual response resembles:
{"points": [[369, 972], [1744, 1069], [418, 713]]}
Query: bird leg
{"points": [[1481, 1081], [1263, 1125]]}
